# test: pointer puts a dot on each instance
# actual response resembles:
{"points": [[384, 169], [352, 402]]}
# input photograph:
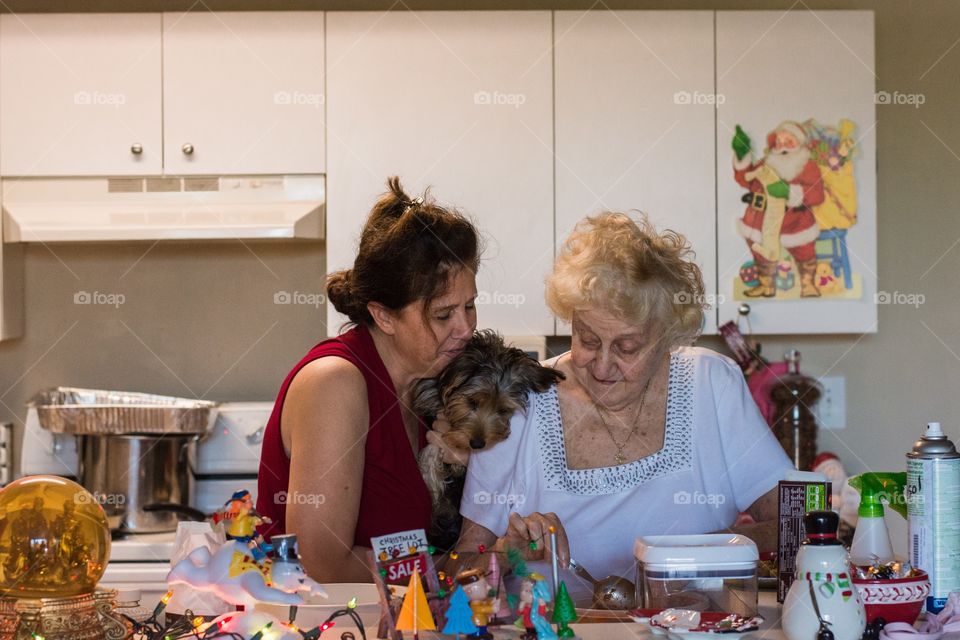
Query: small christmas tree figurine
{"points": [[459, 615], [564, 612], [415, 613]]}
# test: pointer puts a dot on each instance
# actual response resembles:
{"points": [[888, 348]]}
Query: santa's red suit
{"points": [[799, 230]]}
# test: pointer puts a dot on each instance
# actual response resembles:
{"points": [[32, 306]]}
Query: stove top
{"points": [[143, 547]]}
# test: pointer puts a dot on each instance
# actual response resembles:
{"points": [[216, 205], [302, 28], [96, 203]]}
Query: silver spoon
{"points": [[612, 592]]}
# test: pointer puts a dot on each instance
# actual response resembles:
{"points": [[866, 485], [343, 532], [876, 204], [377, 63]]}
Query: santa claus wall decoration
{"points": [[800, 202]]}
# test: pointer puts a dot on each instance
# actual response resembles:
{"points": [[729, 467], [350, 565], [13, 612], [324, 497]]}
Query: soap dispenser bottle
{"points": [[823, 594]]}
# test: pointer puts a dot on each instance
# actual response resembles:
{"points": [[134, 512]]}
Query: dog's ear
{"points": [[524, 374], [534, 376], [426, 398]]}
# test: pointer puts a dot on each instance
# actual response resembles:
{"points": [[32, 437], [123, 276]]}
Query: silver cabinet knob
{"points": [[136, 148], [187, 148]]}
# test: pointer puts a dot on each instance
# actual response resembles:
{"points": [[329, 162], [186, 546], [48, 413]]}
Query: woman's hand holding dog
{"points": [[435, 437]]}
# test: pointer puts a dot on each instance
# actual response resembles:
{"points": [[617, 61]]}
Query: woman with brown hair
{"points": [[339, 457]]}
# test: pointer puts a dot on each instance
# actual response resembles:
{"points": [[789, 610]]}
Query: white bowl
{"points": [[316, 610]]}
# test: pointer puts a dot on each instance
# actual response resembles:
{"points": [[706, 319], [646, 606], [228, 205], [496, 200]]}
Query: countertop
{"points": [[769, 630], [768, 608]]}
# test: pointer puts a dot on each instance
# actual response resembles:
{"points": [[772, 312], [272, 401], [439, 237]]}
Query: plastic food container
{"points": [[710, 572]]}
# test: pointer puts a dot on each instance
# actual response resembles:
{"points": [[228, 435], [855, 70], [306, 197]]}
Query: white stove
{"points": [[140, 562], [227, 460]]}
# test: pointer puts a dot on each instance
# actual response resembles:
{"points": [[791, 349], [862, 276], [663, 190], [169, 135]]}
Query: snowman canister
{"points": [[822, 597]]}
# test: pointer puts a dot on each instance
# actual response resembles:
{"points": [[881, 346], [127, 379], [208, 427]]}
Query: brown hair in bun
{"points": [[408, 250]]}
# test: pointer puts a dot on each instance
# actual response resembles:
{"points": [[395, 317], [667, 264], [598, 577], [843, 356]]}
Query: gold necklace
{"points": [[619, 458]]}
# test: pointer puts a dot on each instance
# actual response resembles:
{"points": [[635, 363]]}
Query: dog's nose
{"points": [[477, 443]]}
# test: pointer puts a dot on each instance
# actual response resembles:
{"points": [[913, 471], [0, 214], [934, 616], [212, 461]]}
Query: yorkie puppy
{"points": [[477, 393]]}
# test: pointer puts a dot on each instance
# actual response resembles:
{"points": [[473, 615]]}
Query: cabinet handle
{"points": [[187, 148], [136, 148]]}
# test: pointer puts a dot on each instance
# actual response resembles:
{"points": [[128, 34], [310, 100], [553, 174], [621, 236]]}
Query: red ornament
{"points": [[482, 548]]}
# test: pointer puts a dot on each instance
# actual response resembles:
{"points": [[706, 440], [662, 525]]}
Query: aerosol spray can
{"points": [[933, 513]]}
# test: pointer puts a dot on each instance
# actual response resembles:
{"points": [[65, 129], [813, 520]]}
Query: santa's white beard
{"points": [[788, 165]]}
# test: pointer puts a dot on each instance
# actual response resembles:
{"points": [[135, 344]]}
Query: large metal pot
{"points": [[143, 482]]}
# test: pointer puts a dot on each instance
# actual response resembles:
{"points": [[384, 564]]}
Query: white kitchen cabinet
{"points": [[80, 94], [461, 102], [243, 92], [773, 66], [141, 94], [635, 113]]}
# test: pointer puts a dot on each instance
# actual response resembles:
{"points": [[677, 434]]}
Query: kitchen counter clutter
{"points": [[224, 580], [58, 544], [628, 630]]}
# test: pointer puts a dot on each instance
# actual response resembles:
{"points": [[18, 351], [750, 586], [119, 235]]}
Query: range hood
{"points": [[162, 208]]}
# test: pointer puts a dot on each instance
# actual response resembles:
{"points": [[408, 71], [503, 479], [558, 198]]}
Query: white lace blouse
{"points": [[718, 457]]}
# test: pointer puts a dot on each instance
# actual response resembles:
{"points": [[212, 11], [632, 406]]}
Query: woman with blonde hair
{"points": [[647, 435]]}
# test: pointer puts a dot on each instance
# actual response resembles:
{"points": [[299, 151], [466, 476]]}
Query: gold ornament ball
{"points": [[54, 539]]}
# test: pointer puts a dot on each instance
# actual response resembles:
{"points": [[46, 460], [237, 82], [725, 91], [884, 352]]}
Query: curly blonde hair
{"points": [[627, 268]]}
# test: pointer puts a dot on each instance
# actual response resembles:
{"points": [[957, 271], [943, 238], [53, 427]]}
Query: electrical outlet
{"points": [[832, 408]]}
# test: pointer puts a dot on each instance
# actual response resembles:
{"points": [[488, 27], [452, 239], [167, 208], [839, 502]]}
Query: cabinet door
{"points": [[243, 92], [80, 94], [635, 124], [460, 102], [774, 67]]}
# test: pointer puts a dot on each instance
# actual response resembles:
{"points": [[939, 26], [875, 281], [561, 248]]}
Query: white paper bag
{"points": [[190, 536]]}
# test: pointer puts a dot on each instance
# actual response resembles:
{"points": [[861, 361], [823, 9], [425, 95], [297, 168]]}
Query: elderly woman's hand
{"points": [[531, 535], [435, 437]]}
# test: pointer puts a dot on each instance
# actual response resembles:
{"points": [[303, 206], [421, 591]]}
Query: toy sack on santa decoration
{"points": [[395, 558], [833, 149]]}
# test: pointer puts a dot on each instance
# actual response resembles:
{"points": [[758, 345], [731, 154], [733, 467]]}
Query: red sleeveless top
{"points": [[394, 496]]}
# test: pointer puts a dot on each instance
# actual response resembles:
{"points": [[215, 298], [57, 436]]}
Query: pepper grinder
{"points": [[822, 596]]}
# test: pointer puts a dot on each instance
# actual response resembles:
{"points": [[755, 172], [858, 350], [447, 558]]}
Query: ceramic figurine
{"points": [[240, 522], [541, 596], [526, 606], [236, 577], [822, 597], [475, 585]]}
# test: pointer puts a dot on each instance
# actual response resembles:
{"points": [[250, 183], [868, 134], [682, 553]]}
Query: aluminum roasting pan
{"points": [[98, 412]]}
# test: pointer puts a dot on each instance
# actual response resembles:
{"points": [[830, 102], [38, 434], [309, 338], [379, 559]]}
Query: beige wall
{"points": [[197, 320], [200, 319]]}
